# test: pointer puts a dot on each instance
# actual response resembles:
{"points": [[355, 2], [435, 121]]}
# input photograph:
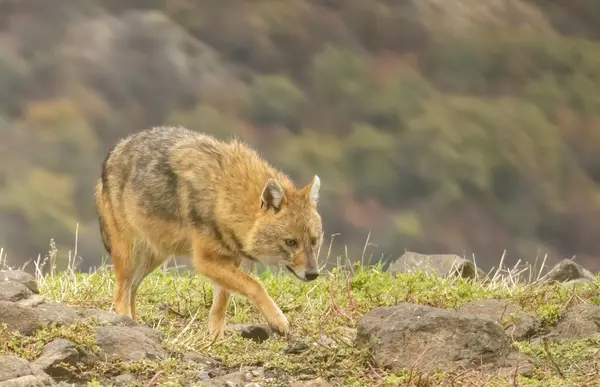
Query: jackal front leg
{"points": [[218, 310], [229, 277]]}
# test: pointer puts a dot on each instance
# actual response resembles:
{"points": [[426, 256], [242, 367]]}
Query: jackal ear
{"points": [[313, 193], [272, 195]]}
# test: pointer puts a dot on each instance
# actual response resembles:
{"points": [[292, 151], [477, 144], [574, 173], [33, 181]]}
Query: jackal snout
{"points": [[305, 266]]}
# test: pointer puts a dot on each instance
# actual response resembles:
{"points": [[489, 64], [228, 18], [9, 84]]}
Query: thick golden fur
{"points": [[168, 191]]}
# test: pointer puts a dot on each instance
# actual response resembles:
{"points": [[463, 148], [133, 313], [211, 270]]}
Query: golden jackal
{"points": [[169, 191]]}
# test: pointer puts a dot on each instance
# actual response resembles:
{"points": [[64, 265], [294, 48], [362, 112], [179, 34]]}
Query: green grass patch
{"points": [[323, 315]]}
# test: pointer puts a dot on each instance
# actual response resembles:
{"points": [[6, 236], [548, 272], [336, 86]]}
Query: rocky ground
{"points": [[422, 322]]}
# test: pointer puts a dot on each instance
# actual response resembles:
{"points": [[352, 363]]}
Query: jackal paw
{"points": [[216, 333], [279, 324]]}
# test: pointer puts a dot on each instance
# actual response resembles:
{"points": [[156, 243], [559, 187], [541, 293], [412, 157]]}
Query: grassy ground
{"points": [[323, 315]]}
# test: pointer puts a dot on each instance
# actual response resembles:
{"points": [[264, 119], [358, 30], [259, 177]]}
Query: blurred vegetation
{"points": [[477, 134]]}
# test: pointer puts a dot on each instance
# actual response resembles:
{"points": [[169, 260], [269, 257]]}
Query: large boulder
{"points": [[20, 318], [580, 322], [54, 355], [13, 291], [427, 338], [517, 324], [128, 343], [17, 372], [568, 270], [439, 264]]}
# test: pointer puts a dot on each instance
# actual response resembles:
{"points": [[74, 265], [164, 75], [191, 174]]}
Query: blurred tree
{"points": [[15, 77], [340, 82], [46, 201], [209, 120], [275, 100]]}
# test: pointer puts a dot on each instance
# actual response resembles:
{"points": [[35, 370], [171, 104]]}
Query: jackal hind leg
{"points": [[122, 261], [144, 263]]}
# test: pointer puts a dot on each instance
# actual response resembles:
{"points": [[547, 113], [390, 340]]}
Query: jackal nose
{"points": [[311, 275]]}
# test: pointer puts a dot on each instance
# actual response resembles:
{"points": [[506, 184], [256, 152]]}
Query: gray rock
{"points": [[12, 367], [152, 334], [20, 318], [577, 282], [515, 361], [568, 270], [56, 313], [54, 353], [296, 348], [26, 381], [17, 372], [103, 317], [27, 319], [517, 324], [201, 359], [319, 382], [581, 322], [256, 332], [408, 335], [128, 343], [240, 378], [443, 265], [32, 301], [13, 291], [21, 277], [124, 380]]}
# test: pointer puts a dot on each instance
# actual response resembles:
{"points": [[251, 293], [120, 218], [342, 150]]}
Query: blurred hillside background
{"points": [[440, 126]]}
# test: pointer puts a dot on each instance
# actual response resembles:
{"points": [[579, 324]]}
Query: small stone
{"points": [[203, 375], [319, 382], [295, 348], [17, 372], [53, 354], [13, 291], [124, 380], [20, 277], [198, 358], [238, 378], [256, 332]]}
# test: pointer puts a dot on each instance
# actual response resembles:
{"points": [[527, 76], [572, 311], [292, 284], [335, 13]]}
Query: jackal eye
{"points": [[291, 242]]}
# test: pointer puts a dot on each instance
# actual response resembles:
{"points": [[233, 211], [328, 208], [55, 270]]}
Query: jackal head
{"points": [[289, 231]]}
